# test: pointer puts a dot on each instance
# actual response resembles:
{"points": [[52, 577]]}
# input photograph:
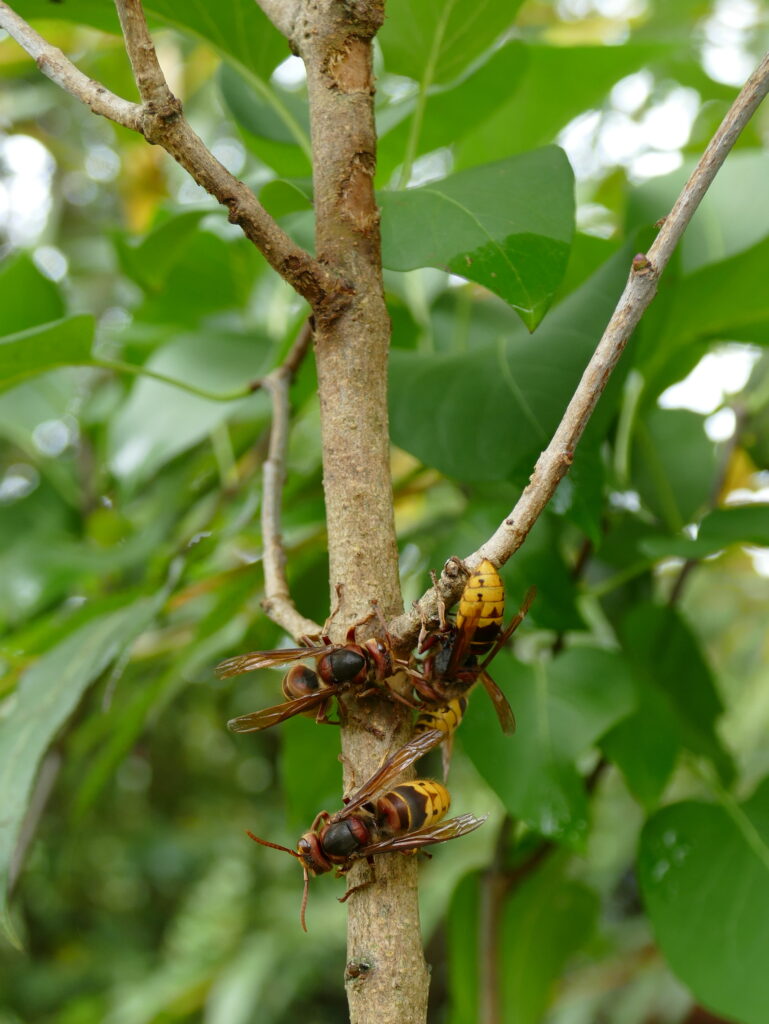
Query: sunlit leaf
{"points": [[239, 30], [674, 465], [484, 414], [39, 349], [140, 440], [506, 226], [27, 297], [441, 39]]}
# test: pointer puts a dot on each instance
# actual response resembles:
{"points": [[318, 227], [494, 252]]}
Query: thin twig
{"points": [[148, 74], [555, 460], [277, 603], [161, 121], [298, 350]]}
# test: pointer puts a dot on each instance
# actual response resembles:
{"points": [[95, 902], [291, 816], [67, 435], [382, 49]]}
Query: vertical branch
{"points": [[277, 601], [386, 977]]}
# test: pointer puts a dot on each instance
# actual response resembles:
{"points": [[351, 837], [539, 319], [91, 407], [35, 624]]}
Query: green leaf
{"points": [[283, 197], [266, 111], [507, 226], [485, 414], [725, 300], [27, 297], [547, 918], [150, 261], [46, 697], [566, 81], [674, 465], [39, 349], [451, 111], [666, 658], [204, 276], [562, 708], [704, 872], [139, 438], [437, 39], [645, 746], [736, 524], [239, 31]]}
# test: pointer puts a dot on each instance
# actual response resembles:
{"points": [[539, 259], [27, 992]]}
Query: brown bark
{"points": [[386, 974]]}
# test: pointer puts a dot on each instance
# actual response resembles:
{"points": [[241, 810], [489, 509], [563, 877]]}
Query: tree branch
{"points": [[277, 601], [161, 121], [555, 460], [387, 977], [148, 74]]}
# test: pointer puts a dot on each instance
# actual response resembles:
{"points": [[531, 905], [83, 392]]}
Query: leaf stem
{"points": [[735, 811], [141, 371], [419, 110]]}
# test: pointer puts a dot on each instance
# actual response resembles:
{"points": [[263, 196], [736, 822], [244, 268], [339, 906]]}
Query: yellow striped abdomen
{"points": [[445, 717], [411, 806], [482, 607]]}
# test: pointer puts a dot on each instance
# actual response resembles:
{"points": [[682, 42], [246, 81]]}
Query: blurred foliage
{"points": [[133, 318]]}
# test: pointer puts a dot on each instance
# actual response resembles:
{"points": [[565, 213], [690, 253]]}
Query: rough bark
{"points": [[386, 974]]}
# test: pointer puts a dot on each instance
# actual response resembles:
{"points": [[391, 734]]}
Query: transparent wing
{"points": [[440, 833], [267, 717], [500, 702], [266, 659], [392, 768]]}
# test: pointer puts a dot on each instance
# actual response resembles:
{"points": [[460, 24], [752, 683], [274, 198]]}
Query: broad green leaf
{"points": [[40, 349], [266, 111], [507, 226], [540, 561], [239, 31], [736, 524], [47, 695], [140, 440], [436, 40], [719, 302], [725, 300], [450, 111], [283, 197], [149, 262], [546, 919], [562, 708], [543, 104], [704, 871], [674, 465], [666, 657], [204, 277], [645, 745], [27, 297], [485, 414]]}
